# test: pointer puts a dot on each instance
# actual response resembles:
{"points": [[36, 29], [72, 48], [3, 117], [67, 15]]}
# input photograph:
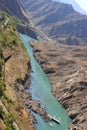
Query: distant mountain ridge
{"points": [[57, 20]]}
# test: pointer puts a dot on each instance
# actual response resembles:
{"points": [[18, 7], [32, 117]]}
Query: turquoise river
{"points": [[40, 90]]}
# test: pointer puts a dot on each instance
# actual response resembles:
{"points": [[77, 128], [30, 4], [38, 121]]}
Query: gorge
{"points": [[34, 84]]}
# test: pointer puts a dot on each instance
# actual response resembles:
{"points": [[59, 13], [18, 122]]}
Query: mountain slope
{"points": [[14, 7], [59, 21], [13, 66]]}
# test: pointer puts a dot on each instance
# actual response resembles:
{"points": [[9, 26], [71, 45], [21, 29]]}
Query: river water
{"points": [[40, 90]]}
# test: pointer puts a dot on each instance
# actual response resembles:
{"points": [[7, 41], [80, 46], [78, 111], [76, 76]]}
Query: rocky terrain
{"points": [[28, 102], [57, 20], [66, 68]]}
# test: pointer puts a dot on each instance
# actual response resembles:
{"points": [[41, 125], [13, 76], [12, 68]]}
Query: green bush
{"points": [[8, 119], [8, 128]]}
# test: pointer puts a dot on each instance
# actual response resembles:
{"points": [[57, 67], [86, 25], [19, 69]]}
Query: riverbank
{"points": [[66, 69], [31, 105]]}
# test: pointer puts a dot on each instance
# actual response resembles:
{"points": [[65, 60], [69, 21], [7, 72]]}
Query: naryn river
{"points": [[40, 90]]}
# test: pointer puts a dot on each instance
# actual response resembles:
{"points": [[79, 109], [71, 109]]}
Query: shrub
{"points": [[8, 128]]}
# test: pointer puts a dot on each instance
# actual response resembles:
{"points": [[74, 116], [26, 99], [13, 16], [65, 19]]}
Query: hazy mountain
{"points": [[58, 20], [75, 5]]}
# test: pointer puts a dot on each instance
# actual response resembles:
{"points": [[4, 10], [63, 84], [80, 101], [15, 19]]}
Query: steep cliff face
{"points": [[59, 21], [14, 7]]}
